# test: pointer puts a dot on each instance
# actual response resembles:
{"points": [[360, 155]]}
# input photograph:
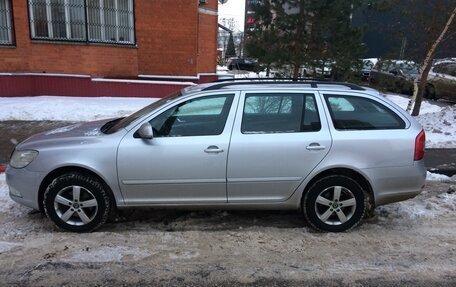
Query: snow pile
{"points": [[51, 108], [417, 209], [426, 205], [437, 121], [440, 127], [439, 177]]}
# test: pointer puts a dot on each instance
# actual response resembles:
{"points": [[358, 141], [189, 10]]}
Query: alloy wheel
{"points": [[75, 205], [335, 205]]}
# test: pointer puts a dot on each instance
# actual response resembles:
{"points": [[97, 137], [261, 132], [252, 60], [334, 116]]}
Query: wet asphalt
{"points": [[441, 161]]}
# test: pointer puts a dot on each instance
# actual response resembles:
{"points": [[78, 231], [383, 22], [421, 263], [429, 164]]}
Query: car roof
{"points": [[444, 62]]}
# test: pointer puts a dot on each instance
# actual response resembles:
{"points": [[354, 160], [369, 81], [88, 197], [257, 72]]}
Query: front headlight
{"points": [[22, 158]]}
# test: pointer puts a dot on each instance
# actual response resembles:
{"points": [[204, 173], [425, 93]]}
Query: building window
{"points": [[99, 21], [110, 21], [6, 27]]}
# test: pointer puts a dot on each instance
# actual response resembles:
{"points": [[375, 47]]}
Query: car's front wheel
{"points": [[77, 202], [334, 203]]}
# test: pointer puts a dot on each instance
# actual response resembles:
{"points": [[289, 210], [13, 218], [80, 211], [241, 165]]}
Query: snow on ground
{"points": [[439, 177], [438, 121], [107, 254], [419, 209], [440, 127], [6, 246], [75, 109]]}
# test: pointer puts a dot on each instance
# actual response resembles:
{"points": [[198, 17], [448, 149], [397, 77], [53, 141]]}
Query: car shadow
{"points": [[182, 220]]}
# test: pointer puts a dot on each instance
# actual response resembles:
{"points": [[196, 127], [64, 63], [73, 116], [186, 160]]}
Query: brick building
{"points": [[174, 39]]}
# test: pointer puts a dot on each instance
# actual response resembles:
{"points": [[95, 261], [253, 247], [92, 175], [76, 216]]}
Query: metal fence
{"points": [[100, 21]]}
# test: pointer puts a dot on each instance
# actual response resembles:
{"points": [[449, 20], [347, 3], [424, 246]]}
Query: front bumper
{"points": [[24, 186]]}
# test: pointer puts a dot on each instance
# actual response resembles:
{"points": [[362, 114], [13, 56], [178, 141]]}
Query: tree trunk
{"points": [[413, 98], [421, 88], [428, 65], [296, 71]]}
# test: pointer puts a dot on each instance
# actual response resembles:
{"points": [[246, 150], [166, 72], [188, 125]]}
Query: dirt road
{"points": [[406, 244]]}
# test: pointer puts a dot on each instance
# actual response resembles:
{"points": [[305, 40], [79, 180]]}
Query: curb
{"points": [[2, 168]]}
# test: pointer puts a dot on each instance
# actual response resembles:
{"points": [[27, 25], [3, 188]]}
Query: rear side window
{"points": [[357, 113], [280, 113]]}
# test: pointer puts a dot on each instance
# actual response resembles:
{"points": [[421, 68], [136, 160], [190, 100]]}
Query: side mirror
{"points": [[145, 131]]}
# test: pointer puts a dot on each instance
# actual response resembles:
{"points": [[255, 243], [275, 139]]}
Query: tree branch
{"points": [[427, 64]]}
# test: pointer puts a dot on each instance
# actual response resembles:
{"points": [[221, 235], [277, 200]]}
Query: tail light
{"points": [[419, 146]]}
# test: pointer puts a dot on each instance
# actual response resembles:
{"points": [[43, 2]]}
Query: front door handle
{"points": [[213, 149], [315, 146]]}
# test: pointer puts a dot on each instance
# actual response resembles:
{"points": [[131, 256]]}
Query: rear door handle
{"points": [[315, 146], [213, 149]]}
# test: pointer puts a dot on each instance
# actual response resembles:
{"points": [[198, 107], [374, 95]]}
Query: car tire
{"points": [[77, 202], [334, 203]]}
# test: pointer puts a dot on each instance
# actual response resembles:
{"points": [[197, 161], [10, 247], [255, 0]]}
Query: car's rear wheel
{"points": [[335, 203], [77, 202]]}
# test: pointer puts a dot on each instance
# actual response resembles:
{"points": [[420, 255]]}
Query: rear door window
{"points": [[280, 113], [358, 113]]}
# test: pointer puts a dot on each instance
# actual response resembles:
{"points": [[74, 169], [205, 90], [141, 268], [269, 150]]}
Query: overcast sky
{"points": [[233, 9]]}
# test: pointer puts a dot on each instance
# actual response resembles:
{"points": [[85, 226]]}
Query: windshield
{"points": [[367, 65], [407, 67], [142, 112], [410, 68]]}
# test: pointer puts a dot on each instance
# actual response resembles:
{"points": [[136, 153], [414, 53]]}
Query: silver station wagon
{"points": [[333, 151]]}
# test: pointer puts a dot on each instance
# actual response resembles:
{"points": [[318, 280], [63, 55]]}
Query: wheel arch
{"points": [[349, 172], [68, 169]]}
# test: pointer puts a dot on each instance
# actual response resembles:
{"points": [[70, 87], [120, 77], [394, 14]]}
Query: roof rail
{"points": [[261, 81], [268, 79]]}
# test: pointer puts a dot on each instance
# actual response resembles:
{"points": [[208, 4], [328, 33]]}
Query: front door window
{"points": [[197, 117]]}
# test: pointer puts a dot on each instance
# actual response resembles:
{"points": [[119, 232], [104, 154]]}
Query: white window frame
{"points": [[9, 24]]}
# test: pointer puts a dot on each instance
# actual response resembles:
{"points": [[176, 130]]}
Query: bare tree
{"points": [[419, 88]]}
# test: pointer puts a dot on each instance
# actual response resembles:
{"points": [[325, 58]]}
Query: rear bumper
{"points": [[24, 186], [395, 184]]}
